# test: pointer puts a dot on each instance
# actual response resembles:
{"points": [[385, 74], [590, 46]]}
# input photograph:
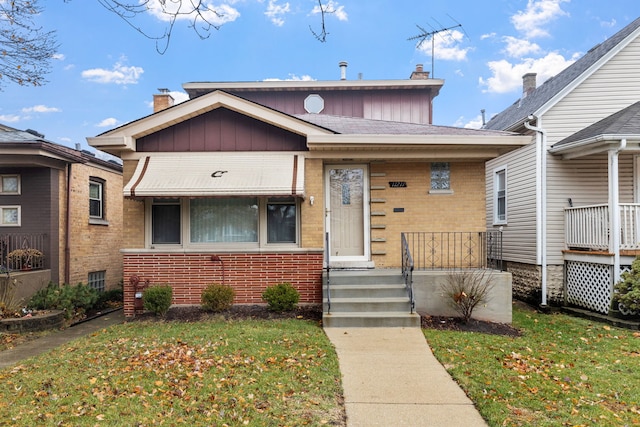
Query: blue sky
{"points": [[106, 73]]}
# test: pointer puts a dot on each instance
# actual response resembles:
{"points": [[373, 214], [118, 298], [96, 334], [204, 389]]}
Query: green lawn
{"points": [[259, 373], [563, 371]]}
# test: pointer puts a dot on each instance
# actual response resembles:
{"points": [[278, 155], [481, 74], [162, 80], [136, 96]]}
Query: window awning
{"points": [[217, 174]]}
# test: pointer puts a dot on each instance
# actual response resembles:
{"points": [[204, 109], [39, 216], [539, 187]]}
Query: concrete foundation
{"points": [[430, 298]]}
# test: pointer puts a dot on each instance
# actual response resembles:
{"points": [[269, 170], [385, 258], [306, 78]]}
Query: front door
{"points": [[347, 214]]}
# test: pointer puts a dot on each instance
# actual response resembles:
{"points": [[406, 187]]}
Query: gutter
{"points": [[541, 216], [67, 228]]}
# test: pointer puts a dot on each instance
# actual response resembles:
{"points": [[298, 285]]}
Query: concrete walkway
{"points": [[391, 378], [48, 342]]}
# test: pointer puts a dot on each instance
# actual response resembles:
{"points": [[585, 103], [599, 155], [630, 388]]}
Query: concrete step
{"points": [[356, 277], [371, 320], [366, 291], [376, 305]]}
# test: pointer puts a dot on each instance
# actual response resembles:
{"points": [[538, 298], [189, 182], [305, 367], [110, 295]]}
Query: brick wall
{"points": [[92, 247], [312, 228], [462, 210], [248, 273], [132, 212]]}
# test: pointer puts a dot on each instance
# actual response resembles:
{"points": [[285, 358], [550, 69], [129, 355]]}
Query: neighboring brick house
{"points": [[67, 204], [243, 183]]}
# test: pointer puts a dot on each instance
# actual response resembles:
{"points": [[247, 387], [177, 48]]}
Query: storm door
{"points": [[347, 212]]}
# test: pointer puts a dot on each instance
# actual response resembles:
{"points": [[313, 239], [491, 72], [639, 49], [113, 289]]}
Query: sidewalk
{"points": [[391, 378], [33, 348]]}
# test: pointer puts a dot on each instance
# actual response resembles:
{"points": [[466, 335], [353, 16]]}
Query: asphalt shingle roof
{"points": [[359, 126], [522, 108]]}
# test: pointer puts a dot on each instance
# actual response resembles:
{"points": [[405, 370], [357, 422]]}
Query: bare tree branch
{"points": [[26, 50], [322, 35]]}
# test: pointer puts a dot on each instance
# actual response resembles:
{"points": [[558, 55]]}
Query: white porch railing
{"points": [[587, 227]]}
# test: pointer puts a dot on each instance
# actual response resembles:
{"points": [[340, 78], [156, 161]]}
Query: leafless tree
{"points": [[26, 50]]}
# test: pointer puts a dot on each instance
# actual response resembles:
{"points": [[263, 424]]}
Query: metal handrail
{"points": [[407, 271], [326, 251]]}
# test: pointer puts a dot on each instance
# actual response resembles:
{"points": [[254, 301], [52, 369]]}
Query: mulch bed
{"points": [[314, 313], [196, 313]]}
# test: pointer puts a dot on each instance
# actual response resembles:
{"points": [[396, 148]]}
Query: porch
{"points": [[595, 258]]}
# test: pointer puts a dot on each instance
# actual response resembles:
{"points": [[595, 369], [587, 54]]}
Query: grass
{"points": [[266, 373], [563, 371]]}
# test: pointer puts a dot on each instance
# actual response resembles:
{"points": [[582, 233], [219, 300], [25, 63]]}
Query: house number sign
{"points": [[397, 184], [218, 174]]}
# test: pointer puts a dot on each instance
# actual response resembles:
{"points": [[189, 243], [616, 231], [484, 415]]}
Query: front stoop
{"points": [[367, 298]]}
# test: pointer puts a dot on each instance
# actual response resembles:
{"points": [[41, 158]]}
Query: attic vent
{"points": [[314, 104]]}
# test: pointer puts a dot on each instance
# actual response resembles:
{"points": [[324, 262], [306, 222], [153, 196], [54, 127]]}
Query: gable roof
{"points": [[623, 125], [515, 114], [123, 137]]}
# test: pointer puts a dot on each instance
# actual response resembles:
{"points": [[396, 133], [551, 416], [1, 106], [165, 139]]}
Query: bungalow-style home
{"points": [[60, 214], [257, 183], [567, 203]]}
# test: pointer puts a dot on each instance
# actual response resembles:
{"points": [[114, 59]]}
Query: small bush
{"points": [[72, 299], [627, 291], [217, 297], [157, 299], [467, 289], [109, 299], [281, 297]]}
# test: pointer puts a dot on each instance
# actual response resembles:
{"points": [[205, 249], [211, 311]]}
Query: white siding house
{"points": [[558, 177]]}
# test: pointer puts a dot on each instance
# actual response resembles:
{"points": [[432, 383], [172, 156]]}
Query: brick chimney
{"points": [[528, 84], [162, 100], [419, 73]]}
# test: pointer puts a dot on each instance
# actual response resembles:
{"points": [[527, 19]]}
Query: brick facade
{"points": [[461, 210], [248, 273], [92, 247]]}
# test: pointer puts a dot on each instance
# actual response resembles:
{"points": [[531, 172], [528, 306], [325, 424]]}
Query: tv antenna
{"points": [[425, 35]]}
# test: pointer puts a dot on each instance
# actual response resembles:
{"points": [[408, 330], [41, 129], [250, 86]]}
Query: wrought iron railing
{"points": [[454, 250], [22, 251], [326, 251], [407, 271]]}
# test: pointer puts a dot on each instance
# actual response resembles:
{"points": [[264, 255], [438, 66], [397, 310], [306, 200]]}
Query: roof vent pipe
{"points": [[343, 70]]}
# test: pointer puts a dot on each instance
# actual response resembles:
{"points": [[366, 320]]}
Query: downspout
{"points": [[541, 142], [67, 227], [614, 208]]}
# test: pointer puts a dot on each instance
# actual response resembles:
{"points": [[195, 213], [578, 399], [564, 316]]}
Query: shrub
{"points": [[110, 298], [627, 291], [466, 289], [216, 297], [157, 299], [281, 297], [72, 299]]}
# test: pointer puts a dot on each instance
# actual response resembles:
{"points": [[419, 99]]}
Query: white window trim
{"points": [[10, 193], [3, 224], [185, 236], [496, 220], [97, 219]]}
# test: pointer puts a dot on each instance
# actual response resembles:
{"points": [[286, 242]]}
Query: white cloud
{"points": [[292, 78], [9, 118], [58, 56], [507, 77], [179, 97], [608, 24], [109, 122], [275, 12], [446, 46], [332, 8], [517, 48], [537, 14], [215, 15], [487, 36], [475, 123], [41, 109], [120, 74]]}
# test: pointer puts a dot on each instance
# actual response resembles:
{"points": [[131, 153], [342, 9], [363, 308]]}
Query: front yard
{"points": [[562, 371]]}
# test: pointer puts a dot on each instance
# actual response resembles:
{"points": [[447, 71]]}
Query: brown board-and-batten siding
{"points": [[221, 130], [407, 106]]}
